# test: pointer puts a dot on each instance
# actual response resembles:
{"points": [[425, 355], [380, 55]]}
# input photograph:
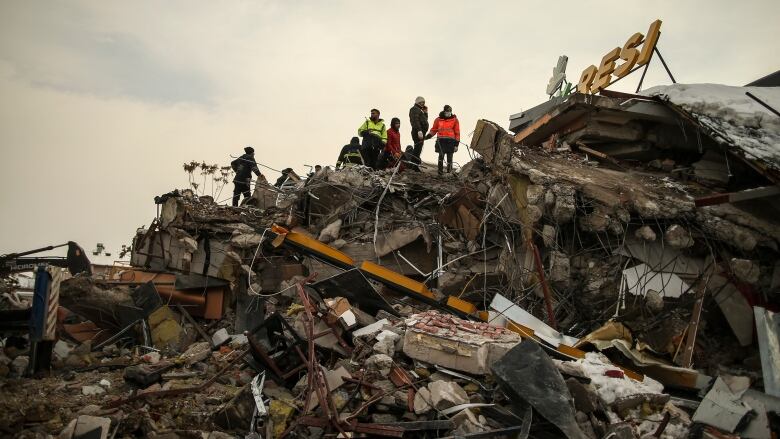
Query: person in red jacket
{"points": [[392, 151], [446, 128]]}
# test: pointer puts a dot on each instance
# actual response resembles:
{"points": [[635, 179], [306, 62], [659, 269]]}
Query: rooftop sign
{"points": [[594, 79]]}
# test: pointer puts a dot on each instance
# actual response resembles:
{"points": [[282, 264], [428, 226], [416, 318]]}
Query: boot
{"points": [[449, 167], [441, 165]]}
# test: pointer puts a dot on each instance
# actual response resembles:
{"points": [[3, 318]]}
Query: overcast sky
{"points": [[102, 102]]}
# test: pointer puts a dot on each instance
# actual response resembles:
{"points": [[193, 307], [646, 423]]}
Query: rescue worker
{"points": [[374, 135], [418, 119], [244, 166], [350, 155], [392, 151], [446, 128], [284, 177], [409, 158]]}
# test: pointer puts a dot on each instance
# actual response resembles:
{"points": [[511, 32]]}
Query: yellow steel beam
{"points": [[390, 276]]}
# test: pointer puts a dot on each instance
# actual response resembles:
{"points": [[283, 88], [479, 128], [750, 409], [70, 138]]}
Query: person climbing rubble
{"points": [[374, 135], [418, 119], [350, 155], [244, 166], [446, 128], [287, 174], [392, 151]]}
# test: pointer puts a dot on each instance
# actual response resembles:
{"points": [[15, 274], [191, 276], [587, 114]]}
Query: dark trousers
{"points": [[383, 160], [445, 146], [370, 149], [238, 189], [418, 147], [449, 161]]}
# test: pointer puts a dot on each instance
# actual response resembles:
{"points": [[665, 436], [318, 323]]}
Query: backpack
{"points": [[237, 165]]}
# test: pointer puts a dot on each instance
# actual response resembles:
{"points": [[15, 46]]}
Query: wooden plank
{"points": [[519, 137]]}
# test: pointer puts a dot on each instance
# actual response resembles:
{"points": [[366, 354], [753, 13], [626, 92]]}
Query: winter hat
{"points": [[419, 100], [249, 150], [447, 108], [394, 120]]}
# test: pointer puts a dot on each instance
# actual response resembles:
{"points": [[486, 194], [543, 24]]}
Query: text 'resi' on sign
{"points": [[594, 79]]}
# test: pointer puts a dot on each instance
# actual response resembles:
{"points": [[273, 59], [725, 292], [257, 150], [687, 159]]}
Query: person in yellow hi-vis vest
{"points": [[374, 134]]}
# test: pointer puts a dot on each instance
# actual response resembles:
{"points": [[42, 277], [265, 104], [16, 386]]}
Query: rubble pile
{"points": [[592, 274]]}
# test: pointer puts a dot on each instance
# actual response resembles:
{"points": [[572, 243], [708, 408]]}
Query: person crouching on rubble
{"points": [[392, 152], [374, 135], [244, 166], [410, 159], [447, 130], [350, 155]]}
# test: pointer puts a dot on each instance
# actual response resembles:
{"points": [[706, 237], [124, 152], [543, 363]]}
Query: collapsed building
{"points": [[607, 267]]}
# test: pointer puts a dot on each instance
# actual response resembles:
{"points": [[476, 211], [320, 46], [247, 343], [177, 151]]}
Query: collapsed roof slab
{"points": [[563, 117]]}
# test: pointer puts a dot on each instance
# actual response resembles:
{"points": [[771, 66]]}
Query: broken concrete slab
{"points": [[335, 379], [87, 427], [386, 341], [446, 394], [380, 363], [467, 422], [454, 343], [375, 327], [422, 401]]}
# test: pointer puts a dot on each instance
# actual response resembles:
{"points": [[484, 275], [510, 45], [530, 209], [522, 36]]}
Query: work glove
{"points": [[420, 135], [428, 136], [364, 133]]}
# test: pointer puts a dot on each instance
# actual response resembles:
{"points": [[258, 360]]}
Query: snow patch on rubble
{"points": [[594, 366], [727, 110]]}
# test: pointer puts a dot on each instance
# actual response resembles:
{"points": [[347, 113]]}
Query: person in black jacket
{"points": [[418, 119], [350, 154], [244, 166]]}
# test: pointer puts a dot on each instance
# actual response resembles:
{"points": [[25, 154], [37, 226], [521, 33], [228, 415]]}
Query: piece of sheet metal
{"points": [[520, 316], [257, 391], [768, 331]]}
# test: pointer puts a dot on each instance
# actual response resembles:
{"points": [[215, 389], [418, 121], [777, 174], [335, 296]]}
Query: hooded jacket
{"points": [[418, 119], [377, 129], [393, 146], [448, 127]]}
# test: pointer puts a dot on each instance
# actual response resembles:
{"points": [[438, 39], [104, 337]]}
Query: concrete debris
{"points": [[467, 422], [380, 363], [678, 237], [422, 401], [454, 343], [446, 394], [745, 270], [646, 233], [386, 341], [197, 352], [569, 281]]}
